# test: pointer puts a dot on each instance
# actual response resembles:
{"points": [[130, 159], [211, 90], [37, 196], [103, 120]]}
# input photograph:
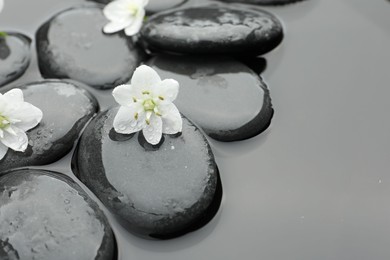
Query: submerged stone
{"points": [[14, 57], [46, 215], [72, 45], [160, 191], [213, 29], [66, 109], [228, 100]]}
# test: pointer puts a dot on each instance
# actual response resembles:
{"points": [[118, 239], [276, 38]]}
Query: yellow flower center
{"points": [[133, 9], [149, 105], [4, 122]]}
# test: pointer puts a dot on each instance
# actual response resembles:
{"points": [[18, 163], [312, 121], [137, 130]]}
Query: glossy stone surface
{"points": [[14, 57], [154, 6], [158, 191], [66, 109], [222, 95], [213, 28], [262, 2], [73, 45], [45, 215]]}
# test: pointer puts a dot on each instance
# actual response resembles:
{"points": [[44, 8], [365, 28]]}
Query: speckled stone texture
{"points": [[158, 192], [45, 215], [66, 109], [213, 29], [14, 56], [73, 45], [228, 100]]}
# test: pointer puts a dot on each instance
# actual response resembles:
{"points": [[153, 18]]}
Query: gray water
{"points": [[316, 185]]}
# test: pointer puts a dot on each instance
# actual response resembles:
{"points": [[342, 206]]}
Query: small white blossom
{"points": [[125, 14], [147, 105], [16, 117]]}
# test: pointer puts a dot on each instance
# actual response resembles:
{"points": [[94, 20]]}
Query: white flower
{"points": [[147, 105], [125, 14], [16, 117]]}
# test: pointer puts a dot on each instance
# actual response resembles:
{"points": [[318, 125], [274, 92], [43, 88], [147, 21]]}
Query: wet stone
{"points": [[157, 192], [73, 45], [228, 100], [154, 6], [66, 109], [45, 215], [213, 29], [262, 2], [14, 57]]}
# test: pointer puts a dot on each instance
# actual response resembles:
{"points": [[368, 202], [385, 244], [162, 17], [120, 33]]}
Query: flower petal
{"points": [[145, 3], [136, 25], [14, 95], [113, 27], [125, 121], [18, 142], [3, 149], [171, 118], [168, 89], [145, 78], [26, 115], [153, 131], [117, 11], [1, 5], [124, 95]]}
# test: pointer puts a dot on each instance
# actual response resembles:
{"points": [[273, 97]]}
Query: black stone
{"points": [[154, 6], [262, 2], [66, 109], [156, 192], [222, 95], [46, 215], [72, 45], [14, 56], [213, 29]]}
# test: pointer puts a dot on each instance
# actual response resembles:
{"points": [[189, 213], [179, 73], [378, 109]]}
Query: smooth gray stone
{"points": [[66, 109], [46, 215], [213, 29], [158, 192], [228, 100], [14, 56], [72, 45], [262, 2]]}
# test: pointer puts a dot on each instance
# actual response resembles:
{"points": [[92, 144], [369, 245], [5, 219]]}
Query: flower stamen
{"points": [[4, 122], [133, 9]]}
